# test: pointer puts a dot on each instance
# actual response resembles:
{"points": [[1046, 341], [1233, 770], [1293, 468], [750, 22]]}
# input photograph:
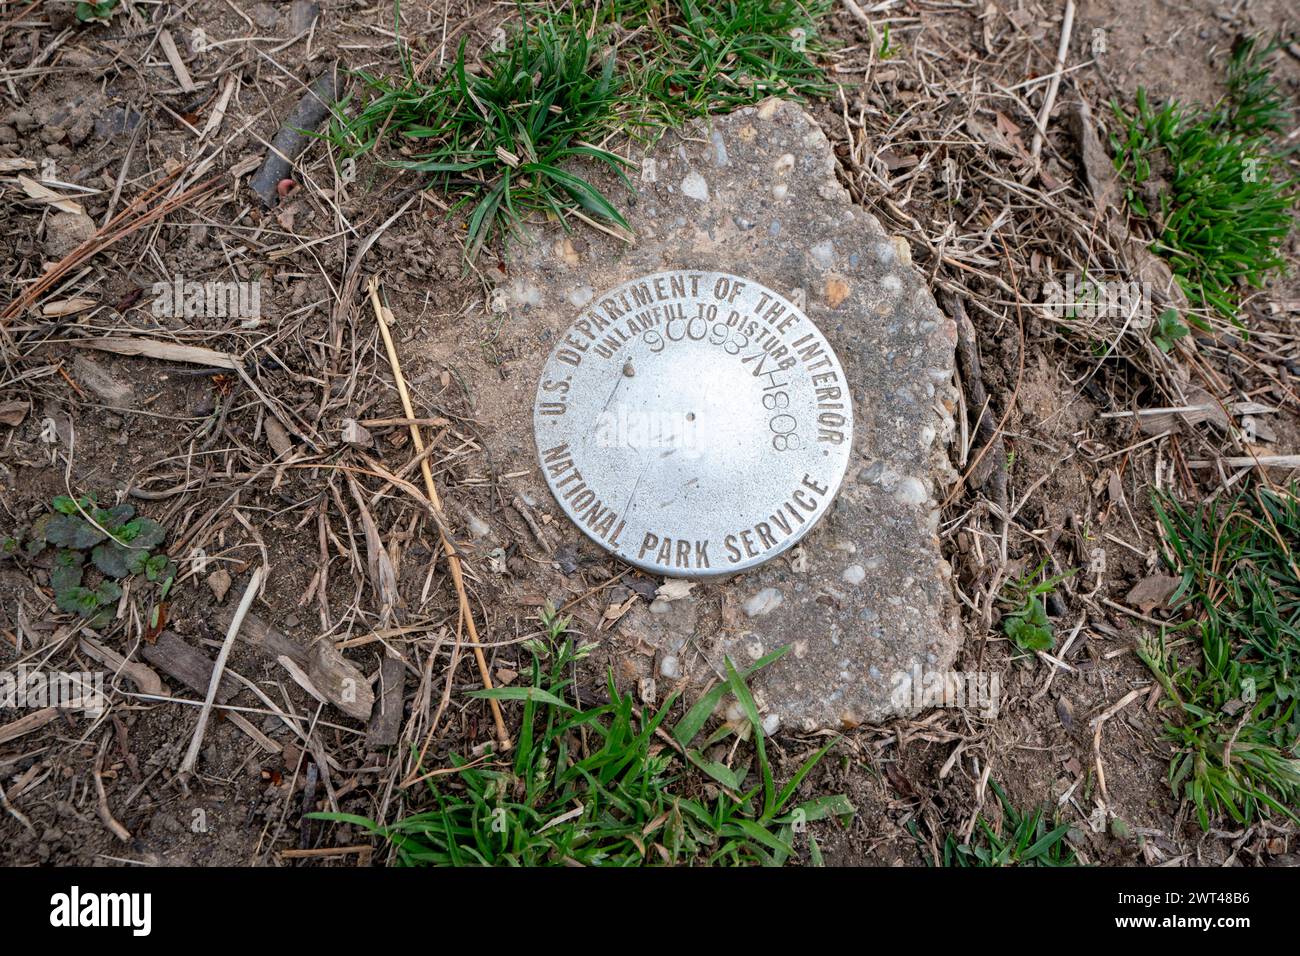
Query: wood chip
{"points": [[26, 724], [342, 683], [68, 306], [174, 58], [386, 721], [189, 665], [334, 678], [167, 351], [35, 190]]}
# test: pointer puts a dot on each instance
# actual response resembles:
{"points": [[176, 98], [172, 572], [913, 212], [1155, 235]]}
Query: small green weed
{"points": [[887, 50], [1231, 670], [1022, 839], [1169, 329], [100, 10], [598, 786], [1027, 624], [118, 543]]}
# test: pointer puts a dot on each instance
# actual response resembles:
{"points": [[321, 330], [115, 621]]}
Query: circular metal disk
{"points": [[693, 423]]}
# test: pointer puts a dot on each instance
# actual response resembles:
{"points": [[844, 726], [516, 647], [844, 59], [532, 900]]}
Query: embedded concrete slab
{"points": [[863, 600]]}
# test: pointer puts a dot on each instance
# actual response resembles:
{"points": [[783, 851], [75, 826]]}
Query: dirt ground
{"points": [[253, 469]]}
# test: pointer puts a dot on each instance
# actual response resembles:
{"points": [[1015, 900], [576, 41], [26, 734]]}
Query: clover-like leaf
{"points": [[88, 10], [138, 560], [1030, 628], [69, 531], [67, 558], [78, 600], [66, 574], [100, 618], [155, 567], [113, 559], [121, 514], [36, 534], [146, 533], [108, 591]]}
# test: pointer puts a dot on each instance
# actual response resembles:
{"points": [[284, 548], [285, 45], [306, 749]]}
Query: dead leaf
{"points": [[1156, 274], [355, 434], [616, 611], [1201, 407], [219, 583], [278, 437], [641, 585], [67, 306], [1098, 170], [44, 194], [13, 413], [1153, 592], [1065, 712], [674, 589], [989, 136], [382, 576]]}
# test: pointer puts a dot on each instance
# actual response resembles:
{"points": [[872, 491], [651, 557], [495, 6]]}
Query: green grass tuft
{"points": [[1231, 671], [516, 132], [501, 140], [1254, 106], [1216, 191], [598, 786], [701, 57]]}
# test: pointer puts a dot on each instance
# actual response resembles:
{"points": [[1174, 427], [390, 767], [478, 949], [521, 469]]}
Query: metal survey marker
{"points": [[693, 423]]}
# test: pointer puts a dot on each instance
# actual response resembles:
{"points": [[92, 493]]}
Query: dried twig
{"points": [[453, 557], [250, 592], [1054, 84], [314, 106], [1099, 721], [101, 801]]}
